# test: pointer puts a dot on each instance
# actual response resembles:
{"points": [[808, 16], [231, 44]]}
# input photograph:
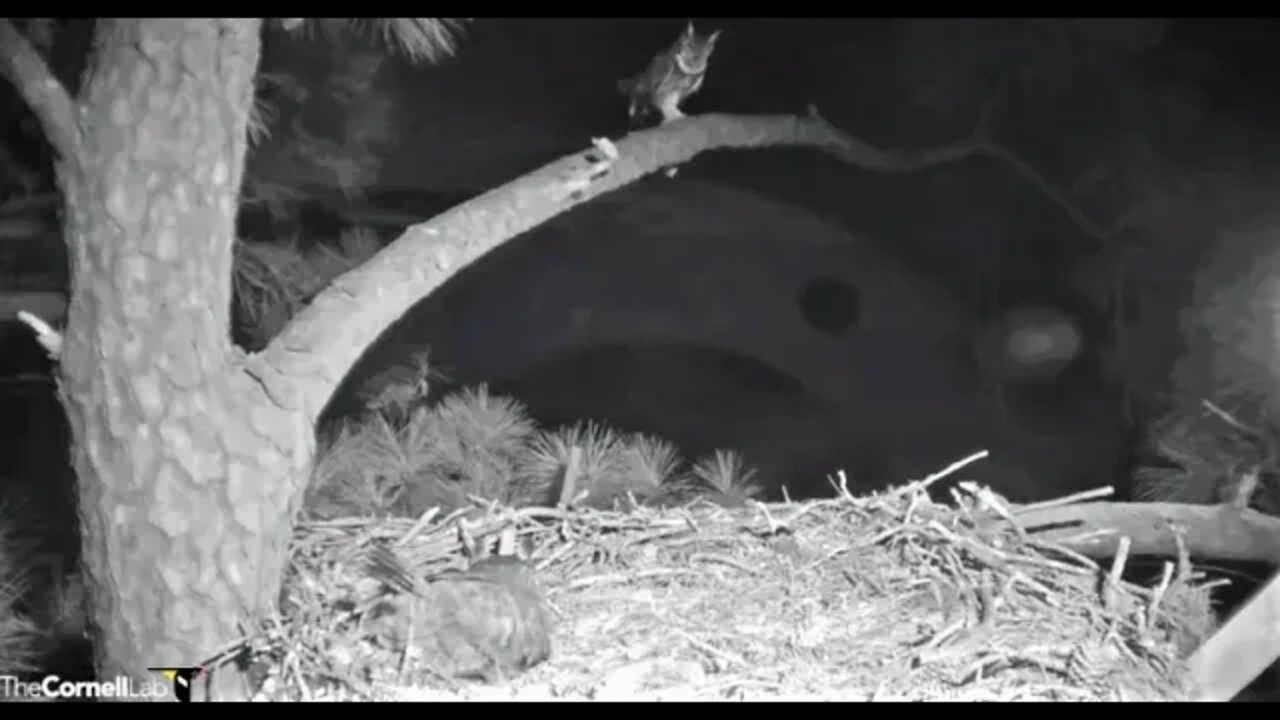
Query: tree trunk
{"points": [[187, 470]]}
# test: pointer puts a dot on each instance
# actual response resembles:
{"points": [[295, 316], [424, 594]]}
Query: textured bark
{"points": [[187, 469]]}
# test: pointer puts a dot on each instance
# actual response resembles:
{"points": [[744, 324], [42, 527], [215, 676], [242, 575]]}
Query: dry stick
{"points": [[1241, 649], [1067, 500], [46, 336], [1111, 590], [417, 528], [843, 485], [952, 468], [1230, 419], [1153, 608]]}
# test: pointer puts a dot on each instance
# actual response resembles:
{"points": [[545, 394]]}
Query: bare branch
{"points": [[23, 66], [322, 343], [1101, 233], [858, 152], [1218, 532], [986, 145]]}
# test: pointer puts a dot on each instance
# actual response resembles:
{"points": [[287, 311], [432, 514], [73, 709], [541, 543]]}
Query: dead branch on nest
{"points": [[1218, 532]]}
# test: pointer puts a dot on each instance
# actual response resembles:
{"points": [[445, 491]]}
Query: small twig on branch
{"points": [[854, 151], [49, 339], [23, 66]]}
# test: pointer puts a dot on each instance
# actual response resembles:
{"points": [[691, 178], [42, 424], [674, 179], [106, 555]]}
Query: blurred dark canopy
{"points": [[1100, 107]]}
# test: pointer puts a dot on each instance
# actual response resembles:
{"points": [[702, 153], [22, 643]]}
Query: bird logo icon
{"points": [[182, 678]]}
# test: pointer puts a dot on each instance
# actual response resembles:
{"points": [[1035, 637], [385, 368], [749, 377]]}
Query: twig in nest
{"points": [[841, 488], [946, 471], [1111, 588], [986, 500], [775, 526], [1184, 556], [1153, 608], [722, 560], [418, 526], [713, 651], [1068, 500]]}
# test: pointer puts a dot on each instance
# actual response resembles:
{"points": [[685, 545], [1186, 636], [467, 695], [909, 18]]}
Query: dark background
{"points": [[1075, 100], [1108, 111]]}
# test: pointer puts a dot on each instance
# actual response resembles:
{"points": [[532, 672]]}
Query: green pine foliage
{"points": [[407, 457]]}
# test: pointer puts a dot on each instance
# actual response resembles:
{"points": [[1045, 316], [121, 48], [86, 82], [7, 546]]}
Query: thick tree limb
{"points": [[23, 66], [1208, 532], [315, 351]]}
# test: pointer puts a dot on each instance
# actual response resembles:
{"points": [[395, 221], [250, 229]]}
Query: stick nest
{"points": [[886, 597]]}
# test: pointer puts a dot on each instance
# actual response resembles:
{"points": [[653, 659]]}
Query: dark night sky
{"points": [[558, 75], [522, 92]]}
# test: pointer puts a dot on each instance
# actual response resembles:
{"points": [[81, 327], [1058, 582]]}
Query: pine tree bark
{"points": [[188, 470]]}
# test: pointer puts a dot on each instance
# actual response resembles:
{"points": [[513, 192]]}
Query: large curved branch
{"points": [[22, 65], [306, 361]]}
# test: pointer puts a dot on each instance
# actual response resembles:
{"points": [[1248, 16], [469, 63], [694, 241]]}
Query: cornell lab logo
{"points": [[182, 678]]}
